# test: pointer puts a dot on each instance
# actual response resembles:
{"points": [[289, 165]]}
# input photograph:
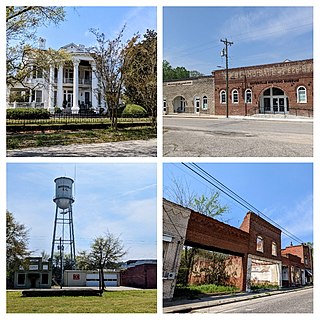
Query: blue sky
{"points": [[109, 20], [119, 198], [282, 191], [261, 35]]}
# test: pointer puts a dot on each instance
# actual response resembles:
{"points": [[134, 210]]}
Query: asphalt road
{"points": [[193, 137], [289, 302]]}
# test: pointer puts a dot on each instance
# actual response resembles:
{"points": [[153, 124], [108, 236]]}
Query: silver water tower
{"points": [[63, 232]]}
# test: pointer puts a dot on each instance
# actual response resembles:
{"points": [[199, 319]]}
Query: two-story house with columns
{"points": [[71, 87]]}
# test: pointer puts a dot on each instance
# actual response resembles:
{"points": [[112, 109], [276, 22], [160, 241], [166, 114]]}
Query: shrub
{"points": [[133, 110], [27, 113]]}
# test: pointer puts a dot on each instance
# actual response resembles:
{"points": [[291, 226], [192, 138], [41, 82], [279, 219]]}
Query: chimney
{"points": [[42, 43]]}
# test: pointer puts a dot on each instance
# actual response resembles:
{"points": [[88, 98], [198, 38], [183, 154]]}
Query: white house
{"points": [[72, 87]]}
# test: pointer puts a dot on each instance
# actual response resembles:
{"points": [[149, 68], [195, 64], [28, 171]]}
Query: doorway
{"points": [[274, 100]]}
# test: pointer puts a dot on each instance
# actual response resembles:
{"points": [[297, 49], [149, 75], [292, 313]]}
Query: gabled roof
{"points": [[72, 47]]}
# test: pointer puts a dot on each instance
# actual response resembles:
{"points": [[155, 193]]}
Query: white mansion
{"points": [[71, 87]]}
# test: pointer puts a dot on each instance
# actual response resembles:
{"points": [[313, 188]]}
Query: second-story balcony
{"points": [[84, 81]]}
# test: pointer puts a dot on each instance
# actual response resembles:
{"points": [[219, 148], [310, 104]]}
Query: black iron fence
{"points": [[79, 119]]}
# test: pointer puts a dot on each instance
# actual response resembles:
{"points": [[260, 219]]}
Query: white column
{"points": [[51, 94], [75, 108], [94, 87], [60, 87]]}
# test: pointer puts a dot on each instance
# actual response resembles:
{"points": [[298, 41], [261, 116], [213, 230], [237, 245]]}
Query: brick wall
{"points": [[287, 76], [141, 276], [257, 226], [302, 251]]}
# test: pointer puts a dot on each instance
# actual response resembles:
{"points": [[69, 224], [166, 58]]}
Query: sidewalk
{"points": [[185, 306], [264, 117]]}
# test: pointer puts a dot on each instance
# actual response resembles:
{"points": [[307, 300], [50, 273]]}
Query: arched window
{"points": [[235, 96], [301, 94], [204, 103], [259, 244], [222, 96], [248, 96]]}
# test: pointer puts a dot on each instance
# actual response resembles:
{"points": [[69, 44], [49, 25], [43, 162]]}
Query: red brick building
{"points": [[278, 88], [142, 276], [299, 263]]}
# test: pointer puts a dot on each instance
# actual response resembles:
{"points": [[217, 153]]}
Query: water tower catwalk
{"points": [[63, 232]]}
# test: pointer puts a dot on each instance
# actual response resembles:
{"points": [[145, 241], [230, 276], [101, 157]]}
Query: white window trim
{"points": [[245, 95], [221, 92], [202, 104], [232, 95], [298, 100]]}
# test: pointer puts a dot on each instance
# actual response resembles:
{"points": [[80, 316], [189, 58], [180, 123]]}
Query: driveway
{"points": [[194, 137], [132, 148]]}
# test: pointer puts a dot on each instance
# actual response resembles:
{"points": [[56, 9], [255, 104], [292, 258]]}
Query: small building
{"points": [[192, 95], [89, 278], [33, 273], [140, 274], [305, 261]]}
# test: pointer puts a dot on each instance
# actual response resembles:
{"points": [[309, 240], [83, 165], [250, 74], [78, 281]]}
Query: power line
{"points": [[220, 186]]}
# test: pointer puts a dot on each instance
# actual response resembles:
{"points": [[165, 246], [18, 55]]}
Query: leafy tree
{"points": [[17, 238], [170, 73], [140, 77], [181, 193], [111, 58], [105, 250], [21, 53]]}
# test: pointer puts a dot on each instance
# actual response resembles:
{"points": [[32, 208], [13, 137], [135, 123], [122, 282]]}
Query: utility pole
{"points": [[224, 53]]}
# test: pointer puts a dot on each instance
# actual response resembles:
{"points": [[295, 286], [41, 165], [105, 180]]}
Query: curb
{"points": [[240, 118], [218, 302]]}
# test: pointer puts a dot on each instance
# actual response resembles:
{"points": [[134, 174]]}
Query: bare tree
{"points": [[111, 57]]}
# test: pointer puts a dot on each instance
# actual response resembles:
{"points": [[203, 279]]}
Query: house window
{"points": [[259, 244], [302, 95], [274, 249], [45, 278], [222, 96], [38, 96], [204, 103], [248, 96], [235, 96], [21, 279], [68, 75], [37, 73]]}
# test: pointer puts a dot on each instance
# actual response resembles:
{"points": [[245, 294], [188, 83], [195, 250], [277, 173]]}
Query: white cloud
{"points": [[268, 23]]}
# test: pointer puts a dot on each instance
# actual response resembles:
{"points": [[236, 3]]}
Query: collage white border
{"points": [[159, 160]]}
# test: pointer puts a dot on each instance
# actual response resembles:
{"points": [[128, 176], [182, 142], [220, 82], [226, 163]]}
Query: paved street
{"points": [[132, 148], [289, 302], [194, 137]]}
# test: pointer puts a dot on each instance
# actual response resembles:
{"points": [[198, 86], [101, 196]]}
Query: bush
{"points": [[133, 110], [27, 113]]}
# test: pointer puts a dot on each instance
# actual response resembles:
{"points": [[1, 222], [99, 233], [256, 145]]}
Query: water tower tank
{"points": [[63, 197]]}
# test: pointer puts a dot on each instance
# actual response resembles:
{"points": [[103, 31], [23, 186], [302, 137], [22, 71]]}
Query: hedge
{"points": [[27, 113], [134, 110]]}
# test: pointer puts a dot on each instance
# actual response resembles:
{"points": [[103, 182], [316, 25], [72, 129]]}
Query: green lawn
{"points": [[140, 301], [38, 139]]}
